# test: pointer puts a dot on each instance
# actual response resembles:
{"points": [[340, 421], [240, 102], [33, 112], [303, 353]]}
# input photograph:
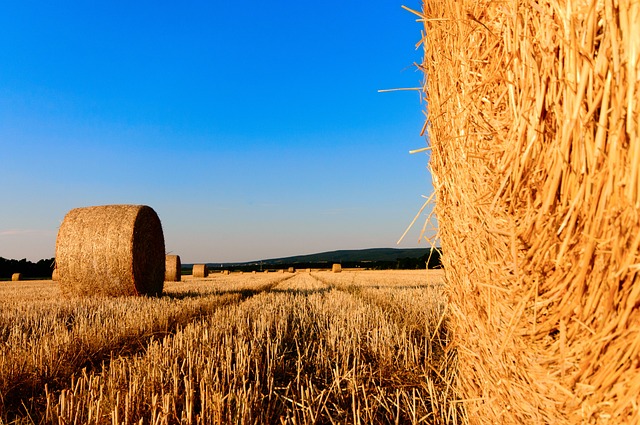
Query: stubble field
{"points": [[295, 348]]}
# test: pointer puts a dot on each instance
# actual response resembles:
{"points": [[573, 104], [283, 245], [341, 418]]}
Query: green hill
{"points": [[375, 258], [353, 255]]}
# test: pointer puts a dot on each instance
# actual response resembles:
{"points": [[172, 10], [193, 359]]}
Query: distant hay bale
{"points": [[111, 250], [282, 270], [253, 272], [16, 277], [200, 270], [337, 268], [173, 268], [534, 132], [292, 270]]}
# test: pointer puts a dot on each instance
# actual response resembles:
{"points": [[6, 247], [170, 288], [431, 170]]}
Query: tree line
{"points": [[43, 268]]}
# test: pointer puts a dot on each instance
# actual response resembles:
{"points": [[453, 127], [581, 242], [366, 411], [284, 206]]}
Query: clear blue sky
{"points": [[254, 129]]}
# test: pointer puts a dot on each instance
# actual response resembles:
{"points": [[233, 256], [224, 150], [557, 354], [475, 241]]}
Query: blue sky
{"points": [[254, 129]]}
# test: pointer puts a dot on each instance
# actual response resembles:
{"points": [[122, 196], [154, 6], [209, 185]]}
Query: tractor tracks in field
{"points": [[418, 309]]}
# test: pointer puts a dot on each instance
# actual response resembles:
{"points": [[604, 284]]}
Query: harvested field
{"points": [[354, 347]]}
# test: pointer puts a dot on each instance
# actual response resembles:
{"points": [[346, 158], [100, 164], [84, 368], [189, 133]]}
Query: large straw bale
{"points": [[336, 268], [111, 250], [16, 277], [173, 268], [200, 270], [533, 121]]}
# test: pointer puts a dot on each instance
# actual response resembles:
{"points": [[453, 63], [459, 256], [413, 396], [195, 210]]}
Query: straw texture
{"points": [[173, 268], [533, 115], [111, 250], [200, 270], [16, 277]]}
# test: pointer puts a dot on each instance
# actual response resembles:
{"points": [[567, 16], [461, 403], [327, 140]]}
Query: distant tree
{"points": [[43, 268]]}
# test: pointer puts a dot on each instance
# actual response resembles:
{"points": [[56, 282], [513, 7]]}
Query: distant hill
{"points": [[353, 255], [375, 258]]}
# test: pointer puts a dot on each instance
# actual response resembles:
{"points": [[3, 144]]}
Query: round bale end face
{"points": [[111, 250], [16, 277], [148, 251]]}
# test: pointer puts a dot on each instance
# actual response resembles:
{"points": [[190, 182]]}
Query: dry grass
{"points": [[533, 122], [362, 347]]}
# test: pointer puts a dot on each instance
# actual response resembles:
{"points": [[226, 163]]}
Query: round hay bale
{"points": [[292, 270], [173, 268], [16, 277], [200, 270], [111, 250], [337, 268]]}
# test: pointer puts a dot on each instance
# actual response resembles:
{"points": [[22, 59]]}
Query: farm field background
{"points": [[304, 347]]}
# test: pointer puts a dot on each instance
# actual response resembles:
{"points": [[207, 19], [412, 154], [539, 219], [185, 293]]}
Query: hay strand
{"points": [[533, 124]]}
